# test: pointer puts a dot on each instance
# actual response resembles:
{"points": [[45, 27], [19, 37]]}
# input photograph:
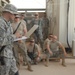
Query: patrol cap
{"points": [[17, 16], [22, 14], [10, 8], [36, 14]]}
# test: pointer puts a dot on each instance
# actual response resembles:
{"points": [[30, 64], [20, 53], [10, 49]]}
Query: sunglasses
{"points": [[36, 15], [51, 36], [32, 41]]}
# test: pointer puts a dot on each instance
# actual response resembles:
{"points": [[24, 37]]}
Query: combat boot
{"points": [[45, 62], [63, 62], [29, 68]]}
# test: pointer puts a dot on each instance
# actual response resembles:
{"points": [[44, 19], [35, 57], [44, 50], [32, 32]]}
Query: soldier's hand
{"points": [[20, 41], [18, 35], [65, 54], [51, 52], [37, 59]]}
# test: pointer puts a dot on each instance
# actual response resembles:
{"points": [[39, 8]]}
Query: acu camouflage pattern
{"points": [[38, 36], [6, 39], [45, 27]]}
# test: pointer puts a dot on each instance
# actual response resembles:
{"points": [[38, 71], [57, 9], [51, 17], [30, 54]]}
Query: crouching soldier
{"points": [[55, 49], [33, 51]]}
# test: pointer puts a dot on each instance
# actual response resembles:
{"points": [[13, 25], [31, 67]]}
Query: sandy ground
{"points": [[55, 68]]}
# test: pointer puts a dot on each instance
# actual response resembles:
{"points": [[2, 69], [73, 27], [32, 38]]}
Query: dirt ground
{"points": [[55, 68]]}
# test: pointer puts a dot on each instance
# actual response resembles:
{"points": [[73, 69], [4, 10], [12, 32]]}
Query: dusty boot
{"points": [[63, 62], [46, 62], [29, 68]]}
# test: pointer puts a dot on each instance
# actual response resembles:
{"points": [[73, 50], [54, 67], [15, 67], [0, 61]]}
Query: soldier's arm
{"points": [[31, 23], [38, 50], [5, 38], [48, 48], [25, 28], [62, 47]]}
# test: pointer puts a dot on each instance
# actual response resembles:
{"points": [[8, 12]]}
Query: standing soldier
{"points": [[38, 33], [7, 61], [19, 26], [45, 26], [54, 48]]}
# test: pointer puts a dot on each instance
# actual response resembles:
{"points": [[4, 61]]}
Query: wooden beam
{"points": [[32, 9], [5, 1]]}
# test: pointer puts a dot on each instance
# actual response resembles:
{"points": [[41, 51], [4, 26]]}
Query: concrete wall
{"points": [[52, 13]]}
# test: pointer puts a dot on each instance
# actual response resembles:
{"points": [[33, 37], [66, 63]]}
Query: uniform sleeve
{"points": [[24, 25], [5, 38], [40, 30], [24, 28], [32, 23], [37, 47], [47, 42]]}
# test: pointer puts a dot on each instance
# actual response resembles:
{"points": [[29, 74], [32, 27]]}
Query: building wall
{"points": [[59, 11], [71, 21], [63, 22], [52, 10]]}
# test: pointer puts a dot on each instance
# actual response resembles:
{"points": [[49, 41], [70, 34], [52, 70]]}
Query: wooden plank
{"points": [[70, 57], [31, 31]]}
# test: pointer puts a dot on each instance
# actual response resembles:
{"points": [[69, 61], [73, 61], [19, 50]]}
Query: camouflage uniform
{"points": [[47, 41], [21, 46], [33, 50], [45, 27], [38, 33], [7, 38], [54, 47]]}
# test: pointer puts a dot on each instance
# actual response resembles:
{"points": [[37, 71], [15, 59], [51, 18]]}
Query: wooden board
{"points": [[31, 31]]}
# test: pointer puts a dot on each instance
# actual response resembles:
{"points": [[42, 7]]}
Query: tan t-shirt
{"points": [[31, 47], [20, 28]]}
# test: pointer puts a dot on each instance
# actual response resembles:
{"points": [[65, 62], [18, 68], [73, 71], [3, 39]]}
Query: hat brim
{"points": [[17, 16], [10, 11]]}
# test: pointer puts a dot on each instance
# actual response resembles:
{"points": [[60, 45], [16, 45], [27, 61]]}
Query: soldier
{"points": [[19, 26], [56, 49], [33, 51], [46, 49], [45, 26], [38, 33], [8, 62]]}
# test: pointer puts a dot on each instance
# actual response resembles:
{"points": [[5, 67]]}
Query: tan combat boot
{"points": [[63, 62], [46, 62], [29, 68]]}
